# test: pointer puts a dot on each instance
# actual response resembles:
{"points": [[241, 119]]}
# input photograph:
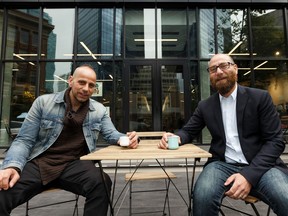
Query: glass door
{"points": [[173, 95], [156, 95], [140, 96]]}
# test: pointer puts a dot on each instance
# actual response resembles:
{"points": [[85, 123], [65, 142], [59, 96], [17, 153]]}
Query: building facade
{"points": [[150, 56]]}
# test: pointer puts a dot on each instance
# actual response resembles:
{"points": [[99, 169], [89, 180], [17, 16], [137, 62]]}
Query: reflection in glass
{"points": [[273, 76], [244, 73], [58, 33], [172, 97], [54, 76], [207, 40], [18, 92], [118, 32], [104, 84], [140, 33], [22, 33], [232, 34], [140, 98], [193, 32], [1, 24], [204, 81], [268, 33], [95, 33], [171, 33], [194, 85], [119, 96]]}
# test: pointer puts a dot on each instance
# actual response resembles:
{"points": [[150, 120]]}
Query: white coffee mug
{"points": [[124, 141]]}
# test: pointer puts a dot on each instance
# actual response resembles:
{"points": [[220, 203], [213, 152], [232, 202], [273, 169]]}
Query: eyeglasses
{"points": [[222, 66]]}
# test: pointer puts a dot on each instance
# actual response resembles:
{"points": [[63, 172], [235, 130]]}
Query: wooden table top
{"points": [[147, 149]]}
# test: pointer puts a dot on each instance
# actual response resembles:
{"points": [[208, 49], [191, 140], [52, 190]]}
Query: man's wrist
{"points": [[15, 168]]}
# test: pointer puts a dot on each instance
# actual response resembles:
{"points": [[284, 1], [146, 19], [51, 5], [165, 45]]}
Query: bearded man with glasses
{"points": [[246, 144]]}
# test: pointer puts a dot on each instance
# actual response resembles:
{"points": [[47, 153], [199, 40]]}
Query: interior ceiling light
{"points": [[60, 78], [235, 54], [80, 54], [20, 57], [258, 68], [27, 54], [236, 46], [152, 40], [88, 50]]}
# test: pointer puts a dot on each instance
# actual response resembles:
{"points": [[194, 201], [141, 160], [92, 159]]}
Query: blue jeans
{"points": [[209, 189]]}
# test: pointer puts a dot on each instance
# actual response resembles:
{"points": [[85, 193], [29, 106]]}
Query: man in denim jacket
{"points": [[57, 131]]}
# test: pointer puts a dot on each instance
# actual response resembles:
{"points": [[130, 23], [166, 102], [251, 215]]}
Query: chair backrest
{"points": [[150, 134], [9, 132]]}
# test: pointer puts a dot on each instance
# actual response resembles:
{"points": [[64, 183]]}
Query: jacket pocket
{"points": [[46, 129]]}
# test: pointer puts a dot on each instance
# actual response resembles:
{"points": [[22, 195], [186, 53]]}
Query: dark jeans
{"points": [[79, 177]]}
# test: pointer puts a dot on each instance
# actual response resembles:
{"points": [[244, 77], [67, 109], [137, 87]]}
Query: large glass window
{"points": [[39, 59], [95, 33], [232, 33], [171, 33], [207, 39], [140, 33], [268, 33], [58, 33], [22, 33]]}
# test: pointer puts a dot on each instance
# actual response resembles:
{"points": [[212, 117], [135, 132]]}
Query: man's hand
{"points": [[240, 186], [163, 144], [8, 178], [133, 137]]}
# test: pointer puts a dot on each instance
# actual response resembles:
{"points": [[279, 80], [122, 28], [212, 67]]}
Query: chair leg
{"points": [[27, 208], [75, 212], [166, 201], [255, 209], [130, 198], [221, 212], [268, 211]]}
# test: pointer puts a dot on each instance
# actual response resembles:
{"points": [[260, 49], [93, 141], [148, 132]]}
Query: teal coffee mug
{"points": [[173, 142]]}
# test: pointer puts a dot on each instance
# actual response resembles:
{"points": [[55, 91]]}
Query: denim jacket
{"points": [[44, 123]]}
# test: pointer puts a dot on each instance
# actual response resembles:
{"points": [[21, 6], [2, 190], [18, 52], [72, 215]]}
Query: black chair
{"points": [[250, 200], [50, 190], [144, 176]]}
